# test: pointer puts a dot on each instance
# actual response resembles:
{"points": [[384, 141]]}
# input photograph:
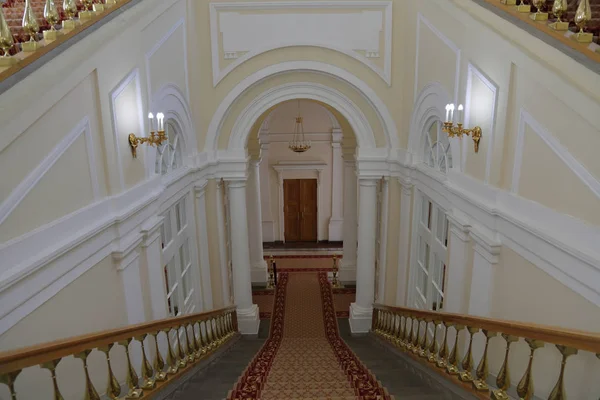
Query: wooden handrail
{"points": [[45, 352], [588, 341]]}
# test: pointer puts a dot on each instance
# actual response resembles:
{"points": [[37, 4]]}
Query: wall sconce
{"points": [[458, 130], [156, 136]]}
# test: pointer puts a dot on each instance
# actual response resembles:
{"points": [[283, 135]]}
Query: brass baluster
{"points": [[398, 329], [189, 346], [195, 344], [171, 357], [90, 390], [423, 344], [558, 393], [503, 379], [441, 360], [452, 367], [467, 364], [386, 325], [182, 359], [482, 369], [202, 338], [147, 382], [209, 334], [417, 341], [198, 340], [132, 379], [404, 342], [433, 348], [525, 387], [9, 380], [113, 389], [51, 366], [410, 339], [219, 330], [159, 362]]}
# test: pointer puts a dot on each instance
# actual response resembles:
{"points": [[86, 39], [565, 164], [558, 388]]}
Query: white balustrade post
{"points": [[223, 252], [247, 312], [204, 259], [361, 311], [486, 255], [348, 264], [257, 262], [458, 282], [336, 222], [267, 222], [404, 241]]}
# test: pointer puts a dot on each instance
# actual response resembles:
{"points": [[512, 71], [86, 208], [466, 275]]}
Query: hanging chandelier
{"points": [[299, 144]]}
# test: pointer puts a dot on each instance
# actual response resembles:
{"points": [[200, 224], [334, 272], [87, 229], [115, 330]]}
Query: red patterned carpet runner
{"points": [[304, 356]]}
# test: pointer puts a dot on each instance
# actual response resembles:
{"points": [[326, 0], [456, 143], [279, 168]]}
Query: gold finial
{"points": [[53, 17], [559, 8], [70, 9], [6, 42], [87, 13], [583, 15], [31, 27], [539, 15]]}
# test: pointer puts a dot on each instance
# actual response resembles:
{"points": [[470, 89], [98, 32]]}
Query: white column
{"points": [[404, 241], [247, 312], [280, 207], [127, 262], [268, 224], [152, 248], [257, 262], [222, 236], [336, 221], [348, 265], [458, 282], [383, 231], [361, 311], [204, 259], [485, 256]]}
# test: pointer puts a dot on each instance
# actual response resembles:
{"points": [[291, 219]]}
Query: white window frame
{"points": [[182, 235], [425, 233]]}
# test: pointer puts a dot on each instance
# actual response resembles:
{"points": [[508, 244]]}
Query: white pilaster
{"points": [[348, 265], [487, 249], [404, 241], [458, 282], [268, 225], [247, 312], [223, 256], [151, 245], [204, 259], [336, 222], [383, 231], [281, 206], [257, 262], [361, 311], [127, 261]]}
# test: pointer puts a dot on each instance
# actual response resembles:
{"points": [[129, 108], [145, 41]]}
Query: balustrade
{"points": [[417, 332], [188, 339]]}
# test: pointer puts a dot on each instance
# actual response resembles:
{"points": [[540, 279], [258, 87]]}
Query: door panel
{"points": [[300, 210], [291, 201], [308, 216]]}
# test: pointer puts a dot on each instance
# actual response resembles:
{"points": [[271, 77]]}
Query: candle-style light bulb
{"points": [[451, 112], [447, 112], [460, 113], [151, 122], [161, 118]]}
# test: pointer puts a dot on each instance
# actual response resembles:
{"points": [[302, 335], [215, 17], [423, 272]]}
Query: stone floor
{"points": [[215, 381]]}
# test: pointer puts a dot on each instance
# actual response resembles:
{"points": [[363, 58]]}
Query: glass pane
{"points": [[423, 283], [186, 253], [427, 251], [182, 211], [167, 225], [172, 274], [163, 239], [421, 251], [430, 209], [184, 275], [178, 216], [440, 224], [176, 309], [424, 210], [167, 282]]}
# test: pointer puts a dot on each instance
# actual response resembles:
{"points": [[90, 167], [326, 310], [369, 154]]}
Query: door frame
{"points": [[298, 170]]}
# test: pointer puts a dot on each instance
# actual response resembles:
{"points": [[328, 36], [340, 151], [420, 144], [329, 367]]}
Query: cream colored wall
{"points": [[92, 303], [213, 244]]}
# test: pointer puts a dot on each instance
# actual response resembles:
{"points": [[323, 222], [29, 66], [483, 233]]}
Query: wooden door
{"points": [[300, 210]]}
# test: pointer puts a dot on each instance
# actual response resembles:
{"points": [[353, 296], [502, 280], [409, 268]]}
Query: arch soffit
{"points": [[334, 122], [430, 106], [389, 126]]}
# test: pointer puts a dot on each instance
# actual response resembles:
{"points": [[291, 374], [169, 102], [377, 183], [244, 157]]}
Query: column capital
{"points": [[236, 183], [487, 245], [368, 182], [200, 188], [336, 137], [459, 225], [263, 137], [127, 251], [151, 230]]}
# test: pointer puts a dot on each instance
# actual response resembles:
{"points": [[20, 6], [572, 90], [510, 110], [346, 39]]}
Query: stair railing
{"points": [[425, 336], [186, 340]]}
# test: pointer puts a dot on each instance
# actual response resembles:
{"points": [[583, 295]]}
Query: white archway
{"points": [[389, 126], [429, 107]]}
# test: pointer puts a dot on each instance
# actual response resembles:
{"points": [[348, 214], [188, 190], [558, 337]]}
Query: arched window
{"points": [[169, 155], [437, 153]]}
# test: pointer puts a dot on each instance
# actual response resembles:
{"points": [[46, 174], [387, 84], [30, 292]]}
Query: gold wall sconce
{"points": [[155, 138], [458, 130]]}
